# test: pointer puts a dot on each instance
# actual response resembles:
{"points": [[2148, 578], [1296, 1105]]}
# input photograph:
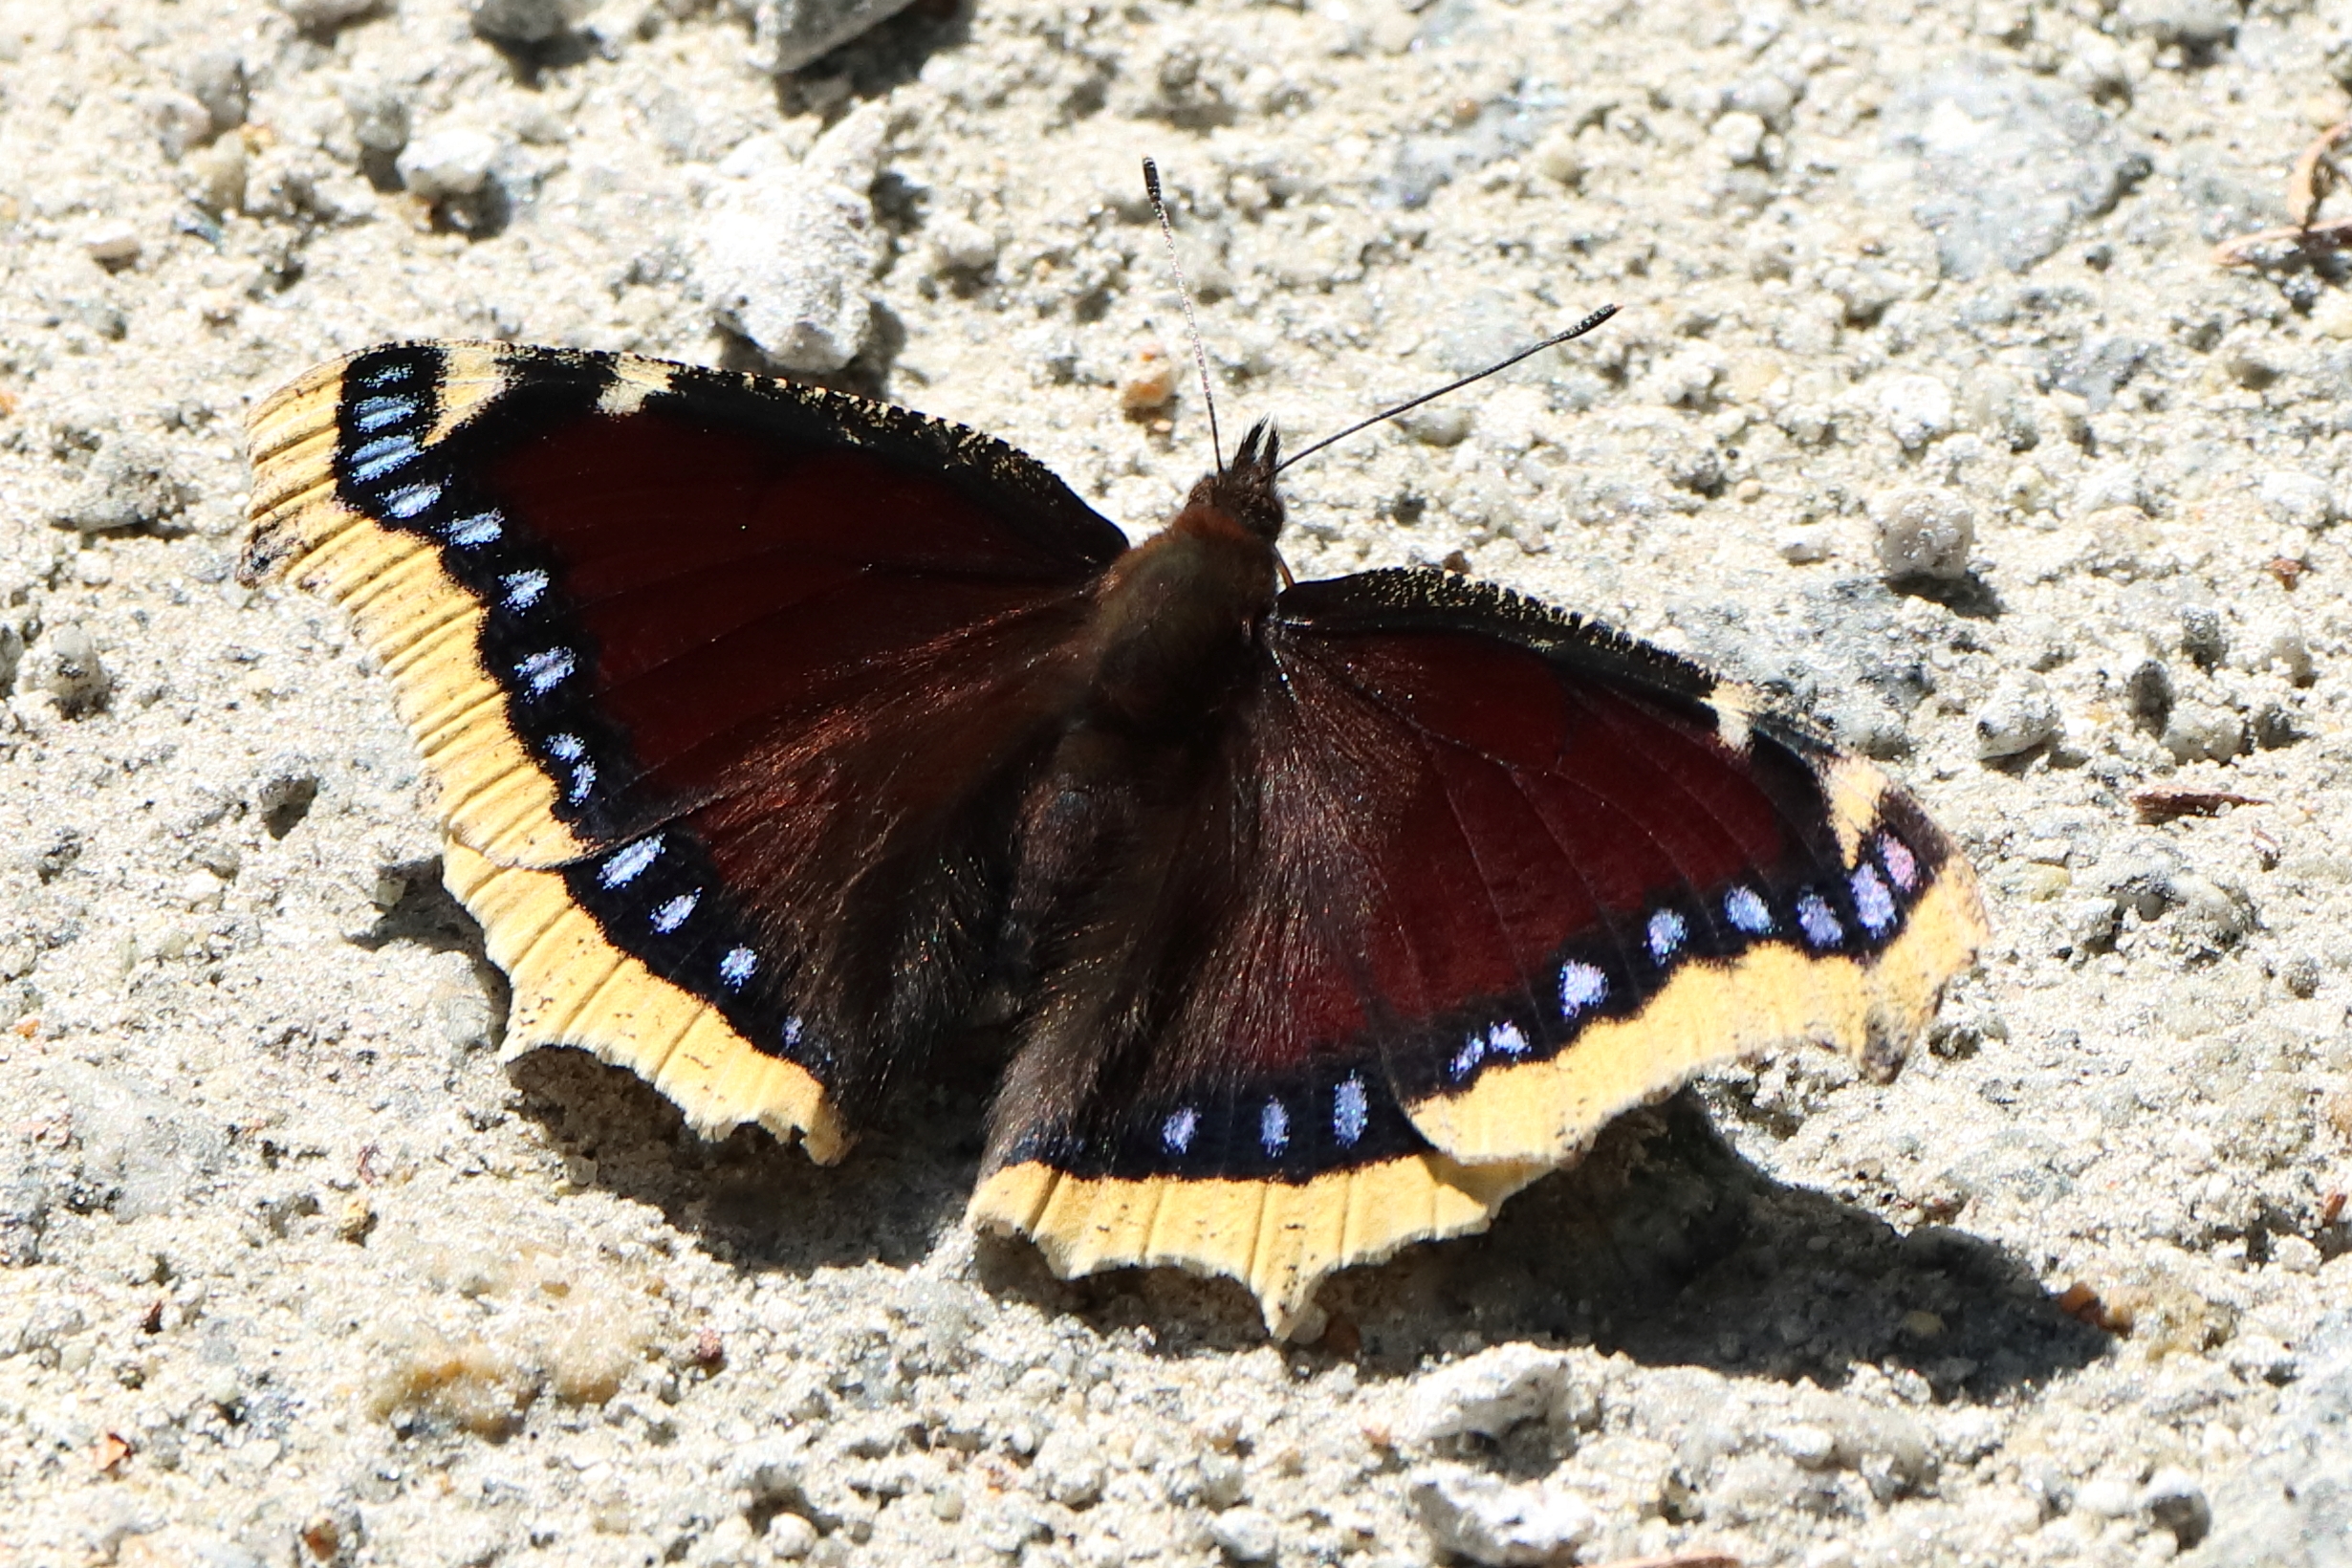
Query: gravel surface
{"points": [[1928, 407]]}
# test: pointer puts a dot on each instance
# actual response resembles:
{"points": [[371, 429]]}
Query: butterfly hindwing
{"points": [[638, 615], [1498, 876]]}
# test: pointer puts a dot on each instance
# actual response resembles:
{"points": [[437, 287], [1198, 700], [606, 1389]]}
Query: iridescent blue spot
{"points": [[1507, 1038], [1667, 930], [479, 529], [1901, 863], [1747, 911], [411, 500], [544, 672], [738, 966], [583, 783], [673, 914], [1819, 920], [566, 747], [372, 414], [1351, 1111], [380, 456], [1581, 986], [630, 862], [1176, 1132], [389, 375], [792, 1032], [1466, 1060], [1872, 902], [524, 588], [1274, 1127]]}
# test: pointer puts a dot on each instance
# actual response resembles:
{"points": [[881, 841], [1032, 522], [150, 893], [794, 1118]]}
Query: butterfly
{"points": [[785, 738]]}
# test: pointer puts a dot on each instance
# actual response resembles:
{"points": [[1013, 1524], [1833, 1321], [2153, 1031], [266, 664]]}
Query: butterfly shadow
{"points": [[749, 1199], [1665, 1245]]}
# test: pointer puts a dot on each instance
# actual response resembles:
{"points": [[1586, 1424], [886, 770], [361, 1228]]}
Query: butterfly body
{"points": [[781, 733]]}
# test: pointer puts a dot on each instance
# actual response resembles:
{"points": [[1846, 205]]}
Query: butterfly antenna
{"points": [[1554, 341], [1184, 292]]}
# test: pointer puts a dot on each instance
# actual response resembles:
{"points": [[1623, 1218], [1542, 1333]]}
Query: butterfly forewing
{"points": [[723, 681]]}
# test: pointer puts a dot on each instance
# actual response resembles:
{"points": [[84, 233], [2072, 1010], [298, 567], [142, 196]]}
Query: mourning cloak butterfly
{"points": [[781, 732]]}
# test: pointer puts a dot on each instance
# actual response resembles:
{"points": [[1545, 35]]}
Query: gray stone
{"points": [[326, 16], [379, 115], [76, 675], [217, 80], [787, 34], [132, 481], [2195, 24], [1923, 532], [2007, 163], [2204, 732], [523, 21], [2175, 1502], [1491, 1521], [788, 252]]}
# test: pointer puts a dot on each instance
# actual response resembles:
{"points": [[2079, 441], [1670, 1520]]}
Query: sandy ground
{"points": [[296, 1273]]}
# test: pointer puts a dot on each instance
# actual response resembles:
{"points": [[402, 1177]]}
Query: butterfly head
{"points": [[1244, 489]]}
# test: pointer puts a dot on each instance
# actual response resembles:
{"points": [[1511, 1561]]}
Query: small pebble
{"points": [[1916, 408], [217, 80], [523, 21], [2174, 1500], [2018, 716], [1491, 1521], [1806, 544], [1149, 384], [2204, 732], [1437, 424], [788, 34], [1489, 1393], [77, 677], [451, 163], [1923, 532], [2106, 1498], [379, 115], [1220, 1480], [790, 1537], [788, 251], [1244, 1535], [1739, 138], [2296, 499], [111, 243], [958, 245], [325, 15], [132, 481]]}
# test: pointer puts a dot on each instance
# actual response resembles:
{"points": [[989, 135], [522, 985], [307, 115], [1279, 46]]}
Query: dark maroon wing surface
{"points": [[1470, 877], [756, 671]]}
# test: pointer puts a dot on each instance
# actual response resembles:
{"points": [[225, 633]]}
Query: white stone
{"points": [[111, 243], [1916, 408], [2018, 716], [1487, 1394], [788, 251], [455, 160], [1489, 1522], [2295, 498], [1739, 137], [1244, 1535]]}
